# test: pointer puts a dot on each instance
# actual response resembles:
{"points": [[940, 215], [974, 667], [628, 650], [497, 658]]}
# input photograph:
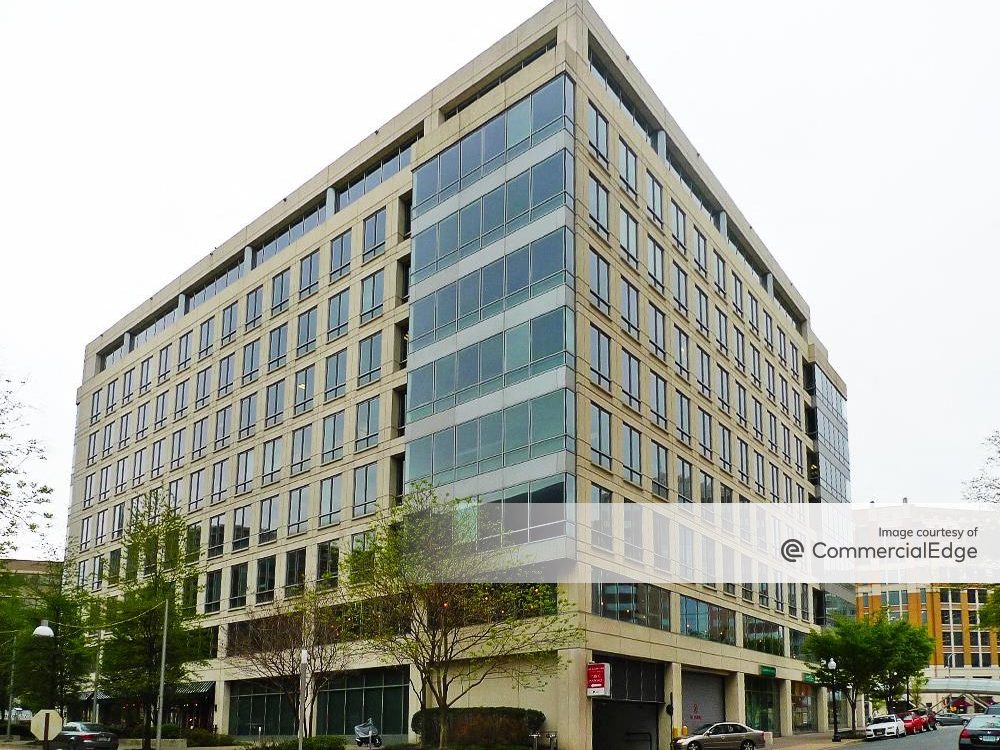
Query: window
{"points": [[330, 500], [309, 274], [370, 359], [227, 372], [111, 398], [248, 416], [657, 331], [752, 313], [680, 290], [295, 572], [304, 387], [196, 490], [216, 535], [654, 198], [628, 237], [251, 361], [683, 418], [177, 449], [156, 462], [160, 411], [244, 471], [739, 349], [631, 454], [600, 358], [630, 309], [280, 291], [202, 387], [305, 340], [737, 294], [265, 580], [701, 253], [681, 353], [144, 374], [340, 255], [223, 427], [95, 406], [678, 225], [220, 480], [658, 400], [327, 564], [631, 389], [277, 347], [600, 283], [183, 352], [255, 307], [655, 263], [374, 236], [723, 389], [127, 388], [371, 297], [109, 440], [241, 528], [600, 436], [722, 331], [238, 586], [597, 203], [138, 467], [627, 171], [336, 375], [298, 510], [180, 399], [333, 437], [268, 520], [301, 449], [702, 310], [337, 315], [366, 424], [744, 451], [229, 317], [704, 372], [206, 334], [660, 470], [705, 438], [274, 406], [597, 132], [365, 490], [683, 481], [271, 461], [213, 590]]}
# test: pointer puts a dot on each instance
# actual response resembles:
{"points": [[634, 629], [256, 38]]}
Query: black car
{"points": [[79, 735], [981, 731]]}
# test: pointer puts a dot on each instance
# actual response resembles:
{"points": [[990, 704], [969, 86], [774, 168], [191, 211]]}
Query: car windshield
{"points": [[703, 728], [883, 720], [91, 728], [984, 722]]}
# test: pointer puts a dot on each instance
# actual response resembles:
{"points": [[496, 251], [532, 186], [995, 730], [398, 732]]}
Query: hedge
{"points": [[486, 726], [320, 742]]}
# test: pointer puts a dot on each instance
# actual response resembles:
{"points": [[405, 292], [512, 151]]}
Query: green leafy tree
{"points": [[411, 573], [23, 502], [908, 650], [157, 575]]}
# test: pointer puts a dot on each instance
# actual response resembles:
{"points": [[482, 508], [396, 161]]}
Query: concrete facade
{"points": [[737, 285]]}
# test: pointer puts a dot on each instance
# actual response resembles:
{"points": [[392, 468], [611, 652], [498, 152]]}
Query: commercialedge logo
{"points": [[922, 551]]}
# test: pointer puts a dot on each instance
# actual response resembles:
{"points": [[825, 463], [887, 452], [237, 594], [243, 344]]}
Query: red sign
{"points": [[599, 679]]}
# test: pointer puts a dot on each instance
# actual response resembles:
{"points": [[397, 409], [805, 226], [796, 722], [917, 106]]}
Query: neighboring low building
{"points": [[535, 236]]}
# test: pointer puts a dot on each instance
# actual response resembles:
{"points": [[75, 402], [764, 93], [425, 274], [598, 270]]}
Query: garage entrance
{"points": [[629, 719], [703, 698]]}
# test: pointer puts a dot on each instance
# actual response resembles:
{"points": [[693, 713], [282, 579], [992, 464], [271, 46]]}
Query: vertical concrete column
{"points": [[661, 144], [672, 692], [822, 711], [736, 706], [181, 304], [574, 718], [573, 33], [248, 258], [221, 705], [723, 224], [414, 704], [769, 283], [785, 704], [127, 341]]}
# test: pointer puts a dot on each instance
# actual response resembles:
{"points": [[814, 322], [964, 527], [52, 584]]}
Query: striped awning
{"points": [[183, 688]]}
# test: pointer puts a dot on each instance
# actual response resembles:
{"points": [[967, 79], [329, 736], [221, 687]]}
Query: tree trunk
{"points": [[147, 740]]}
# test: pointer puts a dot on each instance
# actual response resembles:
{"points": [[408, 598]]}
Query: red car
{"points": [[914, 722]]}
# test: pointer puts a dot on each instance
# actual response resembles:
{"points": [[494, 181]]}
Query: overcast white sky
{"points": [[859, 138]]}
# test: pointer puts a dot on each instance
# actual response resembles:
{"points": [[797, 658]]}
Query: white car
{"points": [[880, 727]]}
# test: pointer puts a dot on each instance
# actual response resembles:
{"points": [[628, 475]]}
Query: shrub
{"points": [[169, 732], [487, 726], [198, 737]]}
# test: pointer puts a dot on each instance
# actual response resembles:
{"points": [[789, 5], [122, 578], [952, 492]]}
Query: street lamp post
{"points": [[303, 686], [832, 666], [44, 631], [163, 671]]}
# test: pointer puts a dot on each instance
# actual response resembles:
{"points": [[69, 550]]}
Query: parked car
{"points": [[913, 722], [992, 709], [981, 731], [949, 719], [722, 735], [881, 727], [79, 735], [930, 718]]}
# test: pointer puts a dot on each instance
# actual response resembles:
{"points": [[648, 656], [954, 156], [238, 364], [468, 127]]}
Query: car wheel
{"points": [[747, 745], [694, 746]]}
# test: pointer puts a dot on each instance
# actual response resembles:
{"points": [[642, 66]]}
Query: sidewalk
{"points": [[812, 741]]}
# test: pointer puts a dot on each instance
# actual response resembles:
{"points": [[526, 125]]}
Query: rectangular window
{"points": [[274, 407], [721, 331], [705, 438], [244, 472], [370, 359], [177, 449], [255, 307], [658, 400], [295, 572], [678, 225], [265, 580], [366, 424], [683, 481], [374, 236], [305, 338], [657, 331], [683, 418], [704, 372], [280, 291], [327, 564], [681, 353], [600, 358], [238, 586], [627, 167], [365, 490], [202, 387], [631, 389], [144, 374], [248, 416], [337, 315], [180, 399], [223, 427], [227, 373], [371, 297], [277, 350], [206, 335], [660, 470], [230, 316], [655, 257], [701, 253], [330, 500], [630, 309], [298, 510], [340, 255], [301, 449], [138, 467], [304, 386], [196, 490], [702, 310], [680, 290], [272, 460], [241, 528], [309, 274], [216, 535], [631, 454], [333, 437], [268, 520], [720, 274], [628, 237], [123, 430], [723, 389], [600, 283], [597, 203], [220, 480], [654, 198], [597, 132], [600, 436], [336, 375], [213, 590], [183, 351], [737, 294]]}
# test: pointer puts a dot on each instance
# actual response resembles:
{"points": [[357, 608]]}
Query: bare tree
{"points": [[430, 603], [985, 486], [269, 643]]}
